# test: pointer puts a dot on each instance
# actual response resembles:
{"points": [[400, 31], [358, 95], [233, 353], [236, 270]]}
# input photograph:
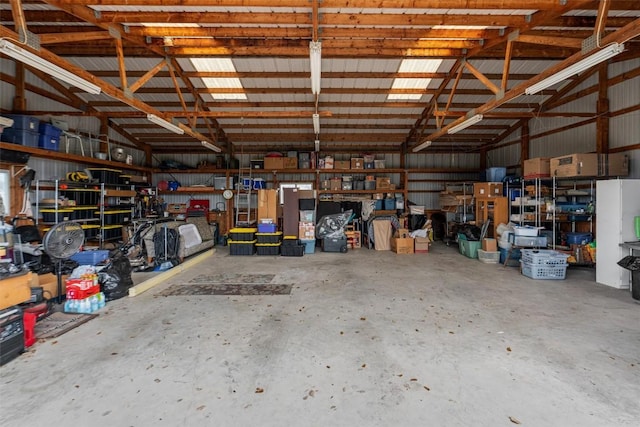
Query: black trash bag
{"points": [[630, 262], [115, 279], [333, 225], [166, 243]]}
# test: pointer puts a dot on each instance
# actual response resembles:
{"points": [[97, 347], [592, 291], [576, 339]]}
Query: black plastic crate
{"points": [[59, 215], [335, 244], [292, 250], [269, 237], [105, 175], [111, 232], [242, 234], [116, 217], [242, 248], [290, 241], [82, 196], [83, 212], [268, 249], [90, 231]]}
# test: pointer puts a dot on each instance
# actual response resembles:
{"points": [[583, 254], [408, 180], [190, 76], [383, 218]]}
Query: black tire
{"points": [[343, 249]]}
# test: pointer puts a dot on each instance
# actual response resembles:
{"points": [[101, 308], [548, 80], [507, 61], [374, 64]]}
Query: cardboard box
{"points": [[15, 290], [49, 284], [485, 190], [267, 204], [489, 245], [177, 208], [421, 244], [402, 245], [383, 183], [357, 163], [274, 163], [336, 184], [290, 162], [539, 167], [616, 164], [328, 162], [582, 164], [306, 230], [342, 164]]}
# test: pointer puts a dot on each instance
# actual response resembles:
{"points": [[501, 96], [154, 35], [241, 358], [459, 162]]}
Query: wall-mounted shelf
{"points": [[65, 157]]}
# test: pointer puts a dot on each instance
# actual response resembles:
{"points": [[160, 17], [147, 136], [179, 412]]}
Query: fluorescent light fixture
{"points": [[210, 146], [469, 122], [584, 64], [425, 144], [23, 55], [165, 124], [317, 145], [315, 57], [316, 123]]}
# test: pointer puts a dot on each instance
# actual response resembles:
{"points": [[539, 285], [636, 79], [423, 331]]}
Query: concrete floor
{"points": [[365, 339]]}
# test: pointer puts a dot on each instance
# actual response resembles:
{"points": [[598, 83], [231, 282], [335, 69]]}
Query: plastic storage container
{"points": [[268, 248], [242, 234], [90, 257], [292, 249], [105, 175], [489, 257], [468, 248], [83, 212], [242, 247], [267, 228], [48, 142], [24, 122], [527, 230], [309, 246], [544, 272], [269, 237], [533, 241], [111, 232], [53, 215], [544, 257], [578, 238], [515, 254], [335, 244], [20, 136]]}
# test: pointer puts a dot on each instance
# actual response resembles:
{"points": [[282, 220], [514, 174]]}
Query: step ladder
{"points": [[243, 198]]}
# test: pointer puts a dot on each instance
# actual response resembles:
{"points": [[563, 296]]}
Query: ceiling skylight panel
{"points": [[413, 66], [219, 65]]}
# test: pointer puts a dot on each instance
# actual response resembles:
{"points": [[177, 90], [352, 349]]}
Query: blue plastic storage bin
{"points": [[578, 238], [48, 129], [20, 136], [309, 246], [49, 142], [23, 122], [379, 205], [515, 255], [389, 204], [90, 257]]}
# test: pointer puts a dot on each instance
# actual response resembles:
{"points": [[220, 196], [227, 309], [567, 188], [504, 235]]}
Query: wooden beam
{"points": [[19, 99], [551, 41], [121, 66], [602, 108], [485, 81], [524, 145], [58, 38], [147, 76], [601, 21], [507, 65]]}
